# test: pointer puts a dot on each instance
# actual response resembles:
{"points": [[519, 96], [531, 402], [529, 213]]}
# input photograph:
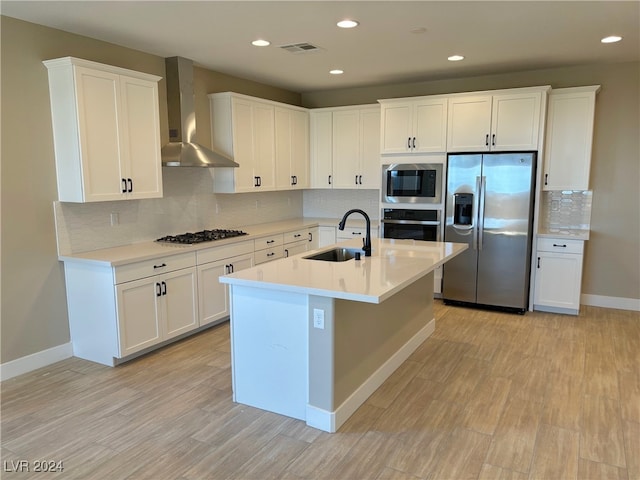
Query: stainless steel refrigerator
{"points": [[489, 206]]}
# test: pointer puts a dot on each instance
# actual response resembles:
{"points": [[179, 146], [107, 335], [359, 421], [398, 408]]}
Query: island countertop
{"points": [[393, 265]]}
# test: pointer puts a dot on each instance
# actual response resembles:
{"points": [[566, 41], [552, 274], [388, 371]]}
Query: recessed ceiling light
{"points": [[261, 43], [611, 39], [455, 58], [347, 23], [336, 71]]}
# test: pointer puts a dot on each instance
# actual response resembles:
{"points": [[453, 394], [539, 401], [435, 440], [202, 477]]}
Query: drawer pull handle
{"points": [[311, 236], [164, 288], [160, 266], [286, 253], [546, 179], [297, 235], [158, 290], [124, 185], [271, 254], [270, 241], [559, 245], [538, 262], [486, 140], [356, 233]]}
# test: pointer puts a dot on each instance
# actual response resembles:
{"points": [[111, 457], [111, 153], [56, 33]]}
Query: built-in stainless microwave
{"points": [[412, 183]]}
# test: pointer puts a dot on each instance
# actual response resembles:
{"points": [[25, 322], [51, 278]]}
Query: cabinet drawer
{"points": [[560, 245], [296, 236], [268, 254], [269, 242], [148, 268], [351, 232], [218, 253]]}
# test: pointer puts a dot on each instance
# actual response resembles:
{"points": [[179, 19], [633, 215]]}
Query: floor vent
{"points": [[300, 47]]}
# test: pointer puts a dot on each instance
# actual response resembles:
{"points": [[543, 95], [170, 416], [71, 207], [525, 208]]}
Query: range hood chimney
{"points": [[182, 149]]}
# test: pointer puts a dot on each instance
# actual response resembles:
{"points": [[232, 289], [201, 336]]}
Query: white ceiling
{"points": [[495, 37]]}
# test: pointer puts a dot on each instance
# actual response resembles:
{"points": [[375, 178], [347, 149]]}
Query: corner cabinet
{"points": [[269, 140], [417, 125], [106, 131], [558, 276], [508, 121], [569, 138]]}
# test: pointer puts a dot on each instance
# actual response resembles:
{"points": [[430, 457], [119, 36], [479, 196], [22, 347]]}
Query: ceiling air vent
{"points": [[300, 48]]}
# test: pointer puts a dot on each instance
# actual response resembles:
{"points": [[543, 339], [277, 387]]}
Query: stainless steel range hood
{"points": [[182, 150]]}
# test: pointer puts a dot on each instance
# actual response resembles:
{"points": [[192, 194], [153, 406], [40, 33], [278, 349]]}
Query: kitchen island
{"points": [[313, 339]]}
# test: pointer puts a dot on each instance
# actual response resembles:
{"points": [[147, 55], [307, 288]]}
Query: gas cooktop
{"points": [[199, 237]]}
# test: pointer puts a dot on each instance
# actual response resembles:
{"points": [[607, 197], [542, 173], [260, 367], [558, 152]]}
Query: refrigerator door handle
{"points": [[481, 190]]}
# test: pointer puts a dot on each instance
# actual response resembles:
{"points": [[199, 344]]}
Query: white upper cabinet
{"points": [[269, 140], [417, 125], [321, 148], [495, 122], [244, 129], [106, 131], [356, 148], [569, 138], [292, 148]]}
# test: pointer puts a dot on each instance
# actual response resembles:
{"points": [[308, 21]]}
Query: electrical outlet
{"points": [[115, 219], [318, 318]]}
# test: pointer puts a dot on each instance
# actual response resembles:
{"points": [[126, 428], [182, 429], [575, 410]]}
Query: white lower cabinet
{"points": [[300, 241], [326, 236], [558, 275], [213, 296], [151, 310], [115, 312]]}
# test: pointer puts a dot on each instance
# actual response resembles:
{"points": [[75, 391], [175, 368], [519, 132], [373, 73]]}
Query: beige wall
{"points": [[612, 258], [34, 311]]}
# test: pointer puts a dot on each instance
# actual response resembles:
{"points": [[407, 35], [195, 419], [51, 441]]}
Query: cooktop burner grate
{"points": [[199, 237]]}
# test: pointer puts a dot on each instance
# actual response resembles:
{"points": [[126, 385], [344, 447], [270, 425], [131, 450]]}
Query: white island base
{"points": [[313, 340]]}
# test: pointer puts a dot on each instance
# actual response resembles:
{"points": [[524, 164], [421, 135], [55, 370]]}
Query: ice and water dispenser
{"points": [[462, 208]]}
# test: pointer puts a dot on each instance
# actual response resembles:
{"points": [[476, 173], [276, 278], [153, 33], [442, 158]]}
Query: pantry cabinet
{"points": [[416, 125], [508, 121], [356, 148], [292, 148], [569, 138], [213, 296], [558, 275], [106, 131]]}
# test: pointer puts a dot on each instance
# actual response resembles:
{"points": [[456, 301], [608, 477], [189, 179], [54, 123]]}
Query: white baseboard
{"points": [[620, 303], [331, 421], [34, 361]]}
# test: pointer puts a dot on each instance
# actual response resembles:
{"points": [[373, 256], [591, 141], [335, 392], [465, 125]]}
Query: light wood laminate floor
{"points": [[488, 396]]}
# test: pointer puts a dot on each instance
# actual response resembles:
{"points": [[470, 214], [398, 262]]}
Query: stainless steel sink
{"points": [[334, 255]]}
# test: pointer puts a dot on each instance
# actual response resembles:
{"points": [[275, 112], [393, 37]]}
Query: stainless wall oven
{"points": [[411, 224], [412, 183]]}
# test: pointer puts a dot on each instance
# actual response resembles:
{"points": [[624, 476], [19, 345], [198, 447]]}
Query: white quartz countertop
{"points": [[125, 254], [393, 265], [571, 233]]}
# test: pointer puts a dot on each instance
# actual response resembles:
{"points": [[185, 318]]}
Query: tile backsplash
{"points": [[189, 205], [566, 209]]}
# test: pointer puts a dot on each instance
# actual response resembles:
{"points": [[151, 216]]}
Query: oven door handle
{"points": [[412, 222]]}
